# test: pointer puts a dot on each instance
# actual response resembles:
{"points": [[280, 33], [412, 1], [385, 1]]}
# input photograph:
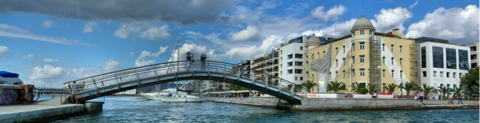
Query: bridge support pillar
{"points": [[93, 107]]}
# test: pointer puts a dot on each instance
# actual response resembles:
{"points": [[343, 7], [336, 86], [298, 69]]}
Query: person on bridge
{"points": [[203, 57], [189, 60], [73, 87]]}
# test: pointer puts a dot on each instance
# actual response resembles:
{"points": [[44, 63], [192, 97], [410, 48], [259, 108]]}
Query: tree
{"points": [[470, 79], [429, 89], [372, 88], [309, 85], [409, 86], [444, 90], [391, 87], [458, 91], [401, 86], [336, 86], [358, 88], [475, 88]]}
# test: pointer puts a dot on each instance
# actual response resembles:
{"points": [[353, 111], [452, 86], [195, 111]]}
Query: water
{"points": [[127, 110]]}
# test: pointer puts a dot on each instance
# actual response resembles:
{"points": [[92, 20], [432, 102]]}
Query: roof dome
{"points": [[362, 22], [313, 40]]}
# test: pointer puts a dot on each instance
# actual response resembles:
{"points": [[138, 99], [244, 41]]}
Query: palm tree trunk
{"points": [[408, 94]]}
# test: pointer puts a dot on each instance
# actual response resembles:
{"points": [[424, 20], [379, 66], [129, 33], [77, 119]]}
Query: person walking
{"points": [[203, 57], [421, 95], [459, 97], [73, 87], [189, 60]]}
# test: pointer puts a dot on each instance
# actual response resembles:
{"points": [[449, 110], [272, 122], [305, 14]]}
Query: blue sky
{"points": [[49, 43]]}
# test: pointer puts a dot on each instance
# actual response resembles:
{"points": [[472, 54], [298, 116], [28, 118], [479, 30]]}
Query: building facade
{"points": [[292, 60], [474, 54], [443, 64], [364, 56]]}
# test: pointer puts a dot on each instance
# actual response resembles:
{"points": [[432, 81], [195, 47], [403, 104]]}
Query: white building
{"points": [[474, 54], [443, 63], [292, 61]]}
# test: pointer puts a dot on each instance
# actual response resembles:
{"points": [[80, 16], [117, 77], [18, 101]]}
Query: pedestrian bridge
{"points": [[127, 79]]}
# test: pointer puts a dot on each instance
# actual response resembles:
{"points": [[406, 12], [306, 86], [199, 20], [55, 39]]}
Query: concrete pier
{"points": [[45, 111]]}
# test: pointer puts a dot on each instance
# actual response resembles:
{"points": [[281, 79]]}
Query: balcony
{"points": [[474, 60]]}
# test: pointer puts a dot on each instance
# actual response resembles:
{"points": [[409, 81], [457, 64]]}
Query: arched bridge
{"points": [[127, 79]]}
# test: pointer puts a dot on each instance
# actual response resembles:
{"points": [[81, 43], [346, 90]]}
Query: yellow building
{"points": [[364, 56]]}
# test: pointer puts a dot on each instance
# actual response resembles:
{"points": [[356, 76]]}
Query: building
{"points": [[443, 63], [474, 55], [292, 61], [363, 56], [243, 67], [266, 64]]}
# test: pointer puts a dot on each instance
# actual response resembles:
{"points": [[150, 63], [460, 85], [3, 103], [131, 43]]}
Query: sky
{"points": [[51, 42]]}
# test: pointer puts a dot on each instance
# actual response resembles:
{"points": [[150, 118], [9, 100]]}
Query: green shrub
{"points": [[363, 90]]}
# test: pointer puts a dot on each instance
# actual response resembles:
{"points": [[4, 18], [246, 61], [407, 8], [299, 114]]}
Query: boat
{"points": [[158, 95], [180, 96]]}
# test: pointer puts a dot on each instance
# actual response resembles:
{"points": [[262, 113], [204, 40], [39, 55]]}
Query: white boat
{"points": [[179, 96], [158, 95]]}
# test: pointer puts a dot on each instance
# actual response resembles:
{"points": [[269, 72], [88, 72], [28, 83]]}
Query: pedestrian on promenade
{"points": [[189, 60], [203, 57], [421, 95], [459, 97]]}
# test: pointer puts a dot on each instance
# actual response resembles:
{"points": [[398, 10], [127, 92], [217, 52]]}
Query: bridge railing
{"points": [[138, 73]]}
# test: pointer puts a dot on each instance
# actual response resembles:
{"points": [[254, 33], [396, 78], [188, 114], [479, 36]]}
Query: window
{"points": [[353, 46], [343, 74], [290, 56], [301, 47], [336, 62], [401, 71], [353, 59], [307, 64], [353, 72], [297, 63], [280, 66], [448, 74], [463, 59], [451, 58], [459, 75], [307, 75], [312, 56], [424, 57], [434, 73], [424, 73], [441, 73], [296, 78], [362, 32], [336, 74], [290, 64], [454, 74], [393, 73], [362, 59], [383, 47], [383, 73], [343, 61], [280, 73], [298, 71], [370, 32], [301, 78], [392, 47], [318, 55], [362, 45], [290, 71], [323, 53], [393, 60], [298, 56], [401, 61], [362, 72], [281, 51], [384, 60], [336, 50], [437, 53], [400, 49], [281, 59], [343, 48]]}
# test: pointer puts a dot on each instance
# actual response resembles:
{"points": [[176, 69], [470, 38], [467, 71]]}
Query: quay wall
{"points": [[352, 104]]}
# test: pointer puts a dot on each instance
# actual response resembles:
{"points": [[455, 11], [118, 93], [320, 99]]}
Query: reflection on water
{"points": [[127, 109]]}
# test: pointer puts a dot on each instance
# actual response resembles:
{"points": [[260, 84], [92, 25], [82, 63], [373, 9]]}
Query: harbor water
{"points": [[128, 109]]}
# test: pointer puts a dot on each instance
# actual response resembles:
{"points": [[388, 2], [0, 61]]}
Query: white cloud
{"points": [[131, 53], [389, 19], [50, 60], [331, 14], [197, 50], [15, 32], [212, 37], [140, 61], [29, 56], [48, 23], [455, 24], [89, 26], [251, 33], [46, 73], [144, 29], [3, 51], [413, 5], [112, 65], [154, 33]]}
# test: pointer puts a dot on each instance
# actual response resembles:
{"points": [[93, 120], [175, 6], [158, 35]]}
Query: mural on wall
{"points": [[322, 67], [7, 97]]}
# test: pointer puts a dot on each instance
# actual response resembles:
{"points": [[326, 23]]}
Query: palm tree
{"points": [[401, 86], [357, 87], [409, 86], [429, 89], [458, 91], [391, 87], [371, 88], [336, 86], [309, 85], [444, 90]]}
